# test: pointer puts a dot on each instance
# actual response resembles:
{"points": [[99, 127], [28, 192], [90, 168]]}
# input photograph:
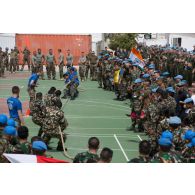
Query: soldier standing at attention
{"points": [[6, 58], [2, 66], [40, 60], [34, 62], [50, 62], [91, 154], [61, 63], [26, 58], [93, 63], [17, 57], [15, 106], [13, 58], [82, 66], [69, 59]]}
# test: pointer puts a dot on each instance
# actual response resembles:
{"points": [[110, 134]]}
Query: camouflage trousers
{"points": [[87, 71], [39, 69], [61, 66], [26, 61], [82, 72], [51, 71], [12, 67], [100, 79], [32, 94], [2, 69], [49, 134], [93, 74]]}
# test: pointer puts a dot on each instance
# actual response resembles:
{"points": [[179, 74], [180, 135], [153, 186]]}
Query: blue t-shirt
{"points": [[33, 77], [14, 104]]}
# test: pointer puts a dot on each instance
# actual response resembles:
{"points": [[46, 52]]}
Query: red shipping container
{"points": [[76, 44]]}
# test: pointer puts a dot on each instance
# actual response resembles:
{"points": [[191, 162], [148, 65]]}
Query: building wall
{"points": [[7, 40]]}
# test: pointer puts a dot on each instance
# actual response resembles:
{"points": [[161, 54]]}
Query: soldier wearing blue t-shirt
{"points": [[15, 106]]}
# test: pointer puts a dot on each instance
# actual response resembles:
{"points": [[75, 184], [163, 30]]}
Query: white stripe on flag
{"points": [[21, 158]]}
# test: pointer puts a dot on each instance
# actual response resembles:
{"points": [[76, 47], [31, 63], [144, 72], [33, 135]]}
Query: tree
{"points": [[123, 40]]}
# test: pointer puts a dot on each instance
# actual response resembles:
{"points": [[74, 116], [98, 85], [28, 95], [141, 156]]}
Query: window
{"points": [[177, 42]]}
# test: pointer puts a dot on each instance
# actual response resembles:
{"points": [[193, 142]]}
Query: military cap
{"points": [[170, 89], [9, 130], [3, 119], [156, 71], [12, 122], [165, 74], [174, 120], [138, 80], [164, 142], [39, 145], [151, 66], [189, 134], [192, 143], [178, 77], [188, 100], [167, 134], [146, 76], [154, 90]]}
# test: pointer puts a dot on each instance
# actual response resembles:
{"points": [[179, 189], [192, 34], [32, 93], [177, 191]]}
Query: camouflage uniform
{"points": [[26, 59], [54, 118], [140, 159], [50, 59], [2, 68], [5, 147], [6, 60], [22, 148], [166, 157], [49, 100], [13, 58], [189, 156], [39, 58], [84, 157]]}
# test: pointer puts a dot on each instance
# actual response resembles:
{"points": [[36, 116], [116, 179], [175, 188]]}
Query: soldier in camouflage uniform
{"points": [[53, 121], [2, 68], [91, 154], [48, 99], [60, 63], [13, 58], [144, 152], [6, 58], [16, 58], [38, 111], [22, 146], [5, 146], [34, 62], [40, 58], [50, 62], [100, 73], [82, 66], [26, 58], [93, 63]]}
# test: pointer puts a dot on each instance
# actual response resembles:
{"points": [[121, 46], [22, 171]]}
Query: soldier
{"points": [[100, 73], [17, 57], [34, 62], [190, 152], [15, 106], [3, 123], [26, 58], [6, 58], [48, 99], [69, 59], [91, 154], [61, 63], [13, 59], [54, 123], [50, 62], [2, 68], [106, 155], [165, 155], [144, 152], [82, 66], [5, 146], [93, 62], [23, 146], [39, 148], [32, 83], [38, 111], [40, 58]]}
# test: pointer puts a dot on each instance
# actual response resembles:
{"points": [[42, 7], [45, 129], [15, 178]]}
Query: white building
{"points": [[7, 40], [184, 40]]}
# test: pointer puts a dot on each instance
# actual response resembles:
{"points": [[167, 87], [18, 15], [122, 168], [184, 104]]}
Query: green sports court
{"points": [[93, 113]]}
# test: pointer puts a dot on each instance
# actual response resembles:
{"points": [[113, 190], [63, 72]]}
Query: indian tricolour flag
{"points": [[23, 158], [136, 57]]}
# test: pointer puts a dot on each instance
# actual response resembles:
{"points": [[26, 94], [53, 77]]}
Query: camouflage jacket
{"points": [[53, 119], [140, 159], [5, 147], [38, 108], [48, 99], [21, 148], [84, 157]]}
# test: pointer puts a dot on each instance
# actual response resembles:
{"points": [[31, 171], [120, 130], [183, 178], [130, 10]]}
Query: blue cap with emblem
{"points": [[189, 134], [188, 100], [192, 143], [178, 77], [3, 119], [167, 134], [138, 80]]}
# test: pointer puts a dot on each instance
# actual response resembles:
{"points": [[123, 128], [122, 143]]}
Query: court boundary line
{"points": [[139, 137], [121, 147]]}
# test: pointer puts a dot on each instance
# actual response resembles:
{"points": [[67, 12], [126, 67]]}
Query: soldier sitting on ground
{"points": [[91, 154], [106, 155]]}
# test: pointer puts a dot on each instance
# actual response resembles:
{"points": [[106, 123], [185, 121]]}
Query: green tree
{"points": [[123, 40]]}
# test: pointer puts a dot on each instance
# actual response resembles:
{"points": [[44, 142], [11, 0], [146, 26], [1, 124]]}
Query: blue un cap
{"points": [[192, 143], [39, 145], [9, 130], [170, 89], [12, 122], [146, 76], [165, 74], [167, 134], [154, 90], [164, 142], [178, 77], [138, 80], [188, 100], [174, 120], [189, 134], [3, 119]]}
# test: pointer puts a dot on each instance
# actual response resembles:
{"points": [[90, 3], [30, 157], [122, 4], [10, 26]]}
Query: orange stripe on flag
{"points": [[137, 53]]}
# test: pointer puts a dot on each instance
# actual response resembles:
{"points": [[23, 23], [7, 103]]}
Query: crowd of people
{"points": [[162, 104]]}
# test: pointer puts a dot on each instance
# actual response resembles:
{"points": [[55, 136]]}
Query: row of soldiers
{"points": [[159, 93]]}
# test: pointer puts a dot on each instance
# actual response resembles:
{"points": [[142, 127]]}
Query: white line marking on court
{"points": [[139, 137], [96, 117], [83, 149], [121, 147], [22, 87]]}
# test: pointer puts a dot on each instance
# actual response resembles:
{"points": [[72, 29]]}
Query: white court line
{"points": [[139, 137], [89, 101], [121, 147], [84, 149], [97, 117], [22, 87], [115, 108], [104, 136]]}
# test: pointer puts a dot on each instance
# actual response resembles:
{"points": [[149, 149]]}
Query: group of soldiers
{"points": [[161, 100]]}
